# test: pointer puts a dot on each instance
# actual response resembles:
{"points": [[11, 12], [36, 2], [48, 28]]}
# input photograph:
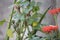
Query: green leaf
{"points": [[35, 8], [38, 27], [2, 22], [19, 17], [36, 15], [30, 21], [43, 39], [26, 3], [19, 1], [22, 18], [26, 11], [35, 38], [32, 3], [16, 16]]}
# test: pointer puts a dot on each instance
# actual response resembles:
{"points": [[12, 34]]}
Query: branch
{"points": [[44, 15]]}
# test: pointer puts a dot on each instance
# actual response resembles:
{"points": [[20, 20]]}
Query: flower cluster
{"points": [[49, 28], [54, 11]]}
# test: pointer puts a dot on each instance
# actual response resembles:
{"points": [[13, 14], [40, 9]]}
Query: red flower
{"points": [[54, 11], [58, 9], [49, 28], [54, 27], [46, 29]]}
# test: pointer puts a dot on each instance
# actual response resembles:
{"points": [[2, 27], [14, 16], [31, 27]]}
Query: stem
{"points": [[24, 32], [11, 16], [51, 38], [56, 23], [18, 36], [55, 18], [44, 15], [11, 19]]}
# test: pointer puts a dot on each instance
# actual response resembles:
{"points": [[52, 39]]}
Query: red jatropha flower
{"points": [[49, 28], [58, 9], [54, 27], [54, 11]]}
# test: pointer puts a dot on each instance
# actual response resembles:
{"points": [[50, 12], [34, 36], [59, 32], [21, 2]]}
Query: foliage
{"points": [[25, 13], [2, 22]]}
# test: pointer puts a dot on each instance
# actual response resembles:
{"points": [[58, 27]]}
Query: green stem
{"points": [[11, 16], [24, 32], [56, 23], [19, 37], [11, 19], [55, 18], [44, 15]]}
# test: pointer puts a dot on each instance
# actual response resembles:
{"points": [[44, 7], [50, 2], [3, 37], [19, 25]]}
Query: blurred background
{"points": [[5, 12]]}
